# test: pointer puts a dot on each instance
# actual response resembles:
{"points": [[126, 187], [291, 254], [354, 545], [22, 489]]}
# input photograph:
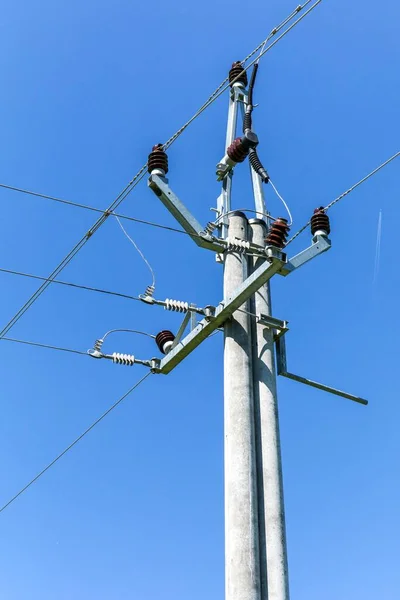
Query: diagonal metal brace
{"points": [[282, 370], [223, 312], [181, 329], [159, 185]]}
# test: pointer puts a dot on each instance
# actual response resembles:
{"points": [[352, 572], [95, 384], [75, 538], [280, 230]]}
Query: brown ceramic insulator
{"points": [[236, 70], [237, 151], [162, 338], [278, 233], [320, 221], [158, 159]]}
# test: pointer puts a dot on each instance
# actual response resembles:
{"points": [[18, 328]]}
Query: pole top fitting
{"points": [[238, 213], [158, 160], [257, 221], [237, 74]]}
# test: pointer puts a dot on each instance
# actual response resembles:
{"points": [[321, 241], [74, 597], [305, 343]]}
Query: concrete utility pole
{"points": [[255, 537], [242, 561], [272, 541]]}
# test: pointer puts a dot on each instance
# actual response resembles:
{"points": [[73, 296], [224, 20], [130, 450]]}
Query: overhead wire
{"points": [[91, 208], [48, 346], [227, 84], [127, 331], [153, 284], [283, 202], [70, 446], [348, 191], [141, 173], [70, 284]]}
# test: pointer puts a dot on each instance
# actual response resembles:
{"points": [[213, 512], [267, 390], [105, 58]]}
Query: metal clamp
{"points": [[279, 327]]}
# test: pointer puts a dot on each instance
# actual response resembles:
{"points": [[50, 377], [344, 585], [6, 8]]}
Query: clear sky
{"points": [[136, 510]]}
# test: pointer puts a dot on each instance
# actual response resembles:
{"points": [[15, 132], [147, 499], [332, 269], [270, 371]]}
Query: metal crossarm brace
{"points": [[320, 244], [222, 313], [160, 187], [175, 206], [282, 370]]}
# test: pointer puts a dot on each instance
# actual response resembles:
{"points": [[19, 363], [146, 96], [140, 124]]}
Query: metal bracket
{"points": [[159, 185], [320, 244], [223, 312], [279, 327], [181, 330], [280, 344]]}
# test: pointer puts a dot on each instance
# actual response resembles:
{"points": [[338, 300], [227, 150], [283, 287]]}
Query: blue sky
{"points": [[136, 510]]}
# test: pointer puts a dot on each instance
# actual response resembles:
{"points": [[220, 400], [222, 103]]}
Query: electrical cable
{"points": [[283, 202], [138, 177], [78, 439], [69, 284], [128, 331], [262, 45], [92, 208], [230, 212], [153, 284], [353, 187], [39, 345], [227, 84], [120, 216]]}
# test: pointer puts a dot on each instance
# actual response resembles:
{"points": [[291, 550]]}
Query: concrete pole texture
{"points": [[271, 516], [242, 561]]}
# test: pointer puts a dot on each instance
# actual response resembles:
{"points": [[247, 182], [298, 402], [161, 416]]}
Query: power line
{"points": [[38, 344], [78, 439], [353, 187], [91, 208], [227, 84], [136, 179], [69, 284]]}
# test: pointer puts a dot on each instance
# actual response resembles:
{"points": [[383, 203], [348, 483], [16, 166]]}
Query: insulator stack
{"points": [[210, 227], [320, 221], [149, 291], [164, 341], [236, 245], [98, 345], [158, 159], [176, 305], [240, 148], [278, 233], [237, 151], [237, 71], [123, 359]]}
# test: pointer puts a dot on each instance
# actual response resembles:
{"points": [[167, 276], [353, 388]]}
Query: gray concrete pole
{"points": [[242, 562], [272, 536]]}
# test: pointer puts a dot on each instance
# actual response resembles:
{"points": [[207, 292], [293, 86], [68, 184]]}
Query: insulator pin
{"points": [[158, 160], [278, 233], [123, 359], [98, 345], [320, 222], [210, 227], [149, 291], [236, 245], [164, 341], [237, 71], [176, 305]]}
